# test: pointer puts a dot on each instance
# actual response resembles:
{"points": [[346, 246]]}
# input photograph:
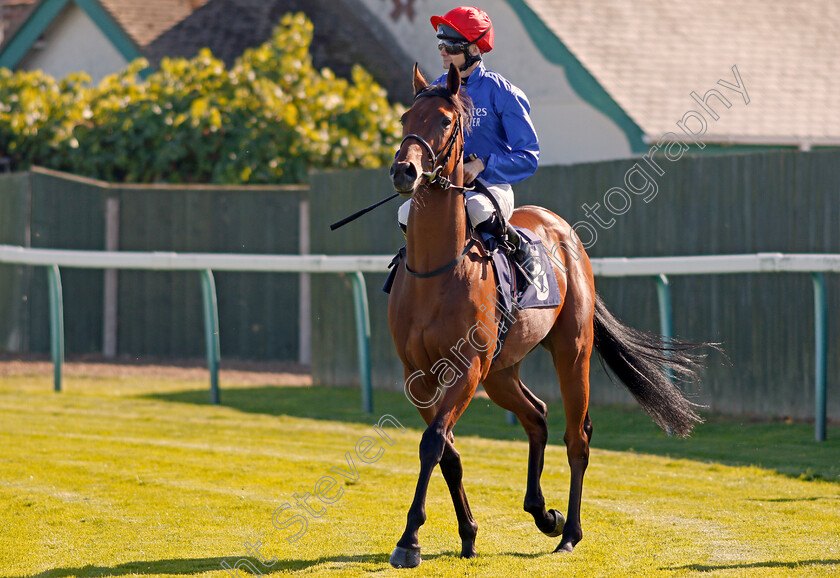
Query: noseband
{"points": [[440, 159]]}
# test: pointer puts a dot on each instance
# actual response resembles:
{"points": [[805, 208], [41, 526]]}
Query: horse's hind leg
{"points": [[450, 466], [573, 370], [507, 391]]}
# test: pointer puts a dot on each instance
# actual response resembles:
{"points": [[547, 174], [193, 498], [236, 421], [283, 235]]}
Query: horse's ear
{"points": [[453, 79], [419, 82]]}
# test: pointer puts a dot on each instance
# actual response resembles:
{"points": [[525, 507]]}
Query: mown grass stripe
{"points": [[99, 481]]}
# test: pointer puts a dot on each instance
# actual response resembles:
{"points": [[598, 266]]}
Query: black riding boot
{"points": [[522, 255], [512, 245]]}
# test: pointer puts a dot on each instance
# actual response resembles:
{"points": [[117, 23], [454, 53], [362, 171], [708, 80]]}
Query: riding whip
{"points": [[358, 214]]}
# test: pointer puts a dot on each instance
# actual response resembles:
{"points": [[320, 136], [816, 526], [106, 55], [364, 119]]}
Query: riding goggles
{"points": [[453, 46]]}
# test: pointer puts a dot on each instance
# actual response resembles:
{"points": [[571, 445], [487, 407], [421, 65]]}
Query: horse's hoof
{"points": [[559, 522], [405, 557], [468, 553], [564, 547]]}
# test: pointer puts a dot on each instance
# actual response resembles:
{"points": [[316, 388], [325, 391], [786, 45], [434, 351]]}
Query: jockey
{"points": [[502, 147]]}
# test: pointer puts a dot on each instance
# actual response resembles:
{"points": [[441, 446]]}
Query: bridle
{"points": [[434, 178]]}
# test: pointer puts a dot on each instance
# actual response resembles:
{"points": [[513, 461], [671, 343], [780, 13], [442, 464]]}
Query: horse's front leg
{"points": [[433, 445], [450, 466]]}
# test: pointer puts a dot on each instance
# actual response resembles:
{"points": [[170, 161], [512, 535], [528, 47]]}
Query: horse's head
{"points": [[433, 142]]}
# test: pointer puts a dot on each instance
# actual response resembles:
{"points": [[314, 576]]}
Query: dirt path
{"points": [[239, 372]]}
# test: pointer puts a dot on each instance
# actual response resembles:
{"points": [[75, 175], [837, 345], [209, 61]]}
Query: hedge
{"points": [[268, 119]]}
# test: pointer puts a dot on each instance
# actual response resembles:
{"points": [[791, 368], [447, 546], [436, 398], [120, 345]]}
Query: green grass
{"points": [[141, 477]]}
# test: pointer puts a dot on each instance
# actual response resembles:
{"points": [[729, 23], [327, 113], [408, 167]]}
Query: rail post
{"points": [[56, 323], [663, 294], [820, 355], [666, 315], [211, 331], [360, 307]]}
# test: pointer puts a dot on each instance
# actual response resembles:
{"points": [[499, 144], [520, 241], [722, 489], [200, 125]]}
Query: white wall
{"points": [[570, 130], [73, 43]]}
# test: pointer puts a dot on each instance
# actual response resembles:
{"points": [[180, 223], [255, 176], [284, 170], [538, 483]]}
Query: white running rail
{"points": [[656, 267]]}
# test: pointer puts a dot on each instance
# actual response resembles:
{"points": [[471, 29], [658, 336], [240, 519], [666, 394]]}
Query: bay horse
{"points": [[443, 293]]}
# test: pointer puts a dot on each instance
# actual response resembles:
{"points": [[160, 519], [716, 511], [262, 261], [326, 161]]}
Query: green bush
{"points": [[268, 119]]}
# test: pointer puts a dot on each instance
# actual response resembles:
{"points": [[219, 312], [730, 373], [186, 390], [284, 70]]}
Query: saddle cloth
{"points": [[513, 286]]}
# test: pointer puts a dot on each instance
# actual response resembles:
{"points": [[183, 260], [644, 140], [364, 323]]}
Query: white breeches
{"points": [[479, 207]]}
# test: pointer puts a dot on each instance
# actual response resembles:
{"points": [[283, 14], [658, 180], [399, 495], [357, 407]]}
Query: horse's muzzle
{"points": [[404, 176]]}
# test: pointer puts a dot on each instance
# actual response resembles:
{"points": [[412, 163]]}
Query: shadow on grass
{"points": [[785, 447], [234, 566], [191, 566], [811, 499], [795, 564]]}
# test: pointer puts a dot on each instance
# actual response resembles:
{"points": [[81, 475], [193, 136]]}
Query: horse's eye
{"points": [[446, 122]]}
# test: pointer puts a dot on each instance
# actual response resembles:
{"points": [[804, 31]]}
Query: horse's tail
{"points": [[646, 363]]}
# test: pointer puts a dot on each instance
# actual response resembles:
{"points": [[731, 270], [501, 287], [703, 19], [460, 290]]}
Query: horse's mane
{"points": [[462, 102]]}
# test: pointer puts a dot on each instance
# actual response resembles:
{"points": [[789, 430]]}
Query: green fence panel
{"points": [[15, 192], [67, 214], [159, 313], [338, 194]]}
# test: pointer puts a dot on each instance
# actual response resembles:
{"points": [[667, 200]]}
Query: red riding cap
{"points": [[472, 23]]}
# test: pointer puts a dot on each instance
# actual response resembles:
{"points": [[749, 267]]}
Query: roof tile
{"points": [[650, 54], [145, 21]]}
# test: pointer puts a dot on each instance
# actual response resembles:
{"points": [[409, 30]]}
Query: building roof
{"points": [[147, 20], [648, 55], [12, 12]]}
